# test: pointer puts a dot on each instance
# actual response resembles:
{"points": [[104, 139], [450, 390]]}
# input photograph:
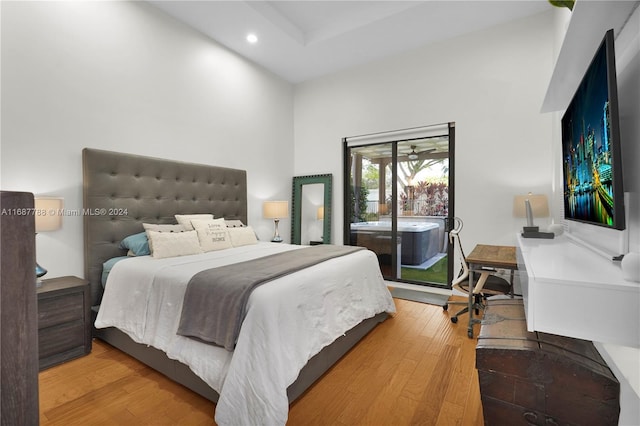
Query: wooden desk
{"points": [[487, 256], [495, 256]]}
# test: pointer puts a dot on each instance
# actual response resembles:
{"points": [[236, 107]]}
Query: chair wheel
{"points": [[454, 319], [445, 307]]}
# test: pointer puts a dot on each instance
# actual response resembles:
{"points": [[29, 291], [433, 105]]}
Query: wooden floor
{"points": [[416, 368]]}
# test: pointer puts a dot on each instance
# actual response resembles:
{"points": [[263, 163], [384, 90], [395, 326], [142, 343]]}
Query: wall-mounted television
{"points": [[591, 154]]}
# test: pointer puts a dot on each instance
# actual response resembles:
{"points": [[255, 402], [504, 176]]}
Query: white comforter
{"points": [[288, 321]]}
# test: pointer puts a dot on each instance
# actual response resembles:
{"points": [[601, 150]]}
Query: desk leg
{"points": [[471, 303], [511, 282], [477, 290]]}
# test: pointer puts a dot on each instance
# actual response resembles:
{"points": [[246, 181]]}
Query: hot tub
{"points": [[419, 241]]}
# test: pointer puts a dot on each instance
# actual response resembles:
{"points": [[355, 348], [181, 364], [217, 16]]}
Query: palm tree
{"points": [[410, 169]]}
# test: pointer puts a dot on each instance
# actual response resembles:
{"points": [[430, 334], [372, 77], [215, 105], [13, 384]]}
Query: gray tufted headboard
{"points": [[121, 191]]}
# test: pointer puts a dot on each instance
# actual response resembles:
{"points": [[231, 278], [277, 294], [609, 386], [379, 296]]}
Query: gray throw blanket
{"points": [[215, 300]]}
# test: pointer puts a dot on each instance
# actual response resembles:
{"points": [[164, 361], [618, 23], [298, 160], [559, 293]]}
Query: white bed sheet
{"points": [[288, 321]]}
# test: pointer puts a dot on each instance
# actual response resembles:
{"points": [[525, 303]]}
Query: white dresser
{"points": [[572, 291]]}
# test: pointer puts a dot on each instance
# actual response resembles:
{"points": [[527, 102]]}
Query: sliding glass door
{"points": [[398, 201]]}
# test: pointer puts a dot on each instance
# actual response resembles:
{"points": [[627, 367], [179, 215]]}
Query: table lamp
{"points": [[48, 216], [530, 206], [275, 210]]}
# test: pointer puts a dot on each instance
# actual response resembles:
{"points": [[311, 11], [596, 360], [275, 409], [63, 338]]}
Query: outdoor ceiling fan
{"points": [[413, 155]]}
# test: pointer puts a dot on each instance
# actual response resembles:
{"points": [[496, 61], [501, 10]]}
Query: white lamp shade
{"points": [[275, 209], [48, 213], [539, 205]]}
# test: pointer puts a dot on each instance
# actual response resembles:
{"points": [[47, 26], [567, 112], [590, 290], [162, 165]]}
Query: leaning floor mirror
{"points": [[311, 210]]}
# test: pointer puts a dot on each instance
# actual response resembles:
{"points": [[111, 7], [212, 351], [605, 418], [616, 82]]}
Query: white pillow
{"points": [[212, 234], [233, 223], [185, 219], [242, 236], [172, 244], [160, 227]]}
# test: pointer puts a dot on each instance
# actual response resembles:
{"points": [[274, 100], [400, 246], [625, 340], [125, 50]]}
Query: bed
{"points": [[123, 191]]}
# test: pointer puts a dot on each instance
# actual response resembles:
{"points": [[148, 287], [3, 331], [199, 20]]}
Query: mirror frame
{"points": [[296, 206]]}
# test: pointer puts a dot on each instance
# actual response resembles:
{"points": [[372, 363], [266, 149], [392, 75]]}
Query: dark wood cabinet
{"points": [[18, 326], [533, 378], [64, 331]]}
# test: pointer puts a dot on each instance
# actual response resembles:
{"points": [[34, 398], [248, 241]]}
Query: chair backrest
{"points": [[454, 240]]}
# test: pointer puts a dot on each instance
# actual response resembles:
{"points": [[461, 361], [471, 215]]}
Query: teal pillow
{"points": [[106, 267], [137, 243]]}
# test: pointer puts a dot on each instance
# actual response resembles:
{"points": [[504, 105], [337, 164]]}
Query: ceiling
{"points": [[302, 40], [425, 149]]}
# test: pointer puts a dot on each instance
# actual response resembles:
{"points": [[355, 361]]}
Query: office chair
{"points": [[493, 284]]}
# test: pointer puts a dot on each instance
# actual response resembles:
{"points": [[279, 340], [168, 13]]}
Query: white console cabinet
{"points": [[572, 291]]}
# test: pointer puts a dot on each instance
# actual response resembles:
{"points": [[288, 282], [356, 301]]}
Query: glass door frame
{"points": [[395, 138]]}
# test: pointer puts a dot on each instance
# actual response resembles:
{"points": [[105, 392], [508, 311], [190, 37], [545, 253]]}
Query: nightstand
{"points": [[64, 330]]}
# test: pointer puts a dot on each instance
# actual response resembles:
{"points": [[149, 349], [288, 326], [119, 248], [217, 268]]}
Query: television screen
{"points": [[591, 145]]}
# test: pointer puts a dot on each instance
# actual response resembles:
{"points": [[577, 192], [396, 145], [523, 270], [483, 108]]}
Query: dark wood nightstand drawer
{"points": [[64, 331], [61, 338], [58, 310]]}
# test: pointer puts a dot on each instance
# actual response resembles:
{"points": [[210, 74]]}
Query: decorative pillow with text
{"points": [[185, 219], [213, 234]]}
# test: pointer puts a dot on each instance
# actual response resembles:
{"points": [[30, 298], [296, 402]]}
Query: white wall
{"points": [[623, 361], [627, 48], [124, 76], [491, 83]]}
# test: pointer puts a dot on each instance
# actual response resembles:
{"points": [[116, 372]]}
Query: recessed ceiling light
{"points": [[252, 38]]}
